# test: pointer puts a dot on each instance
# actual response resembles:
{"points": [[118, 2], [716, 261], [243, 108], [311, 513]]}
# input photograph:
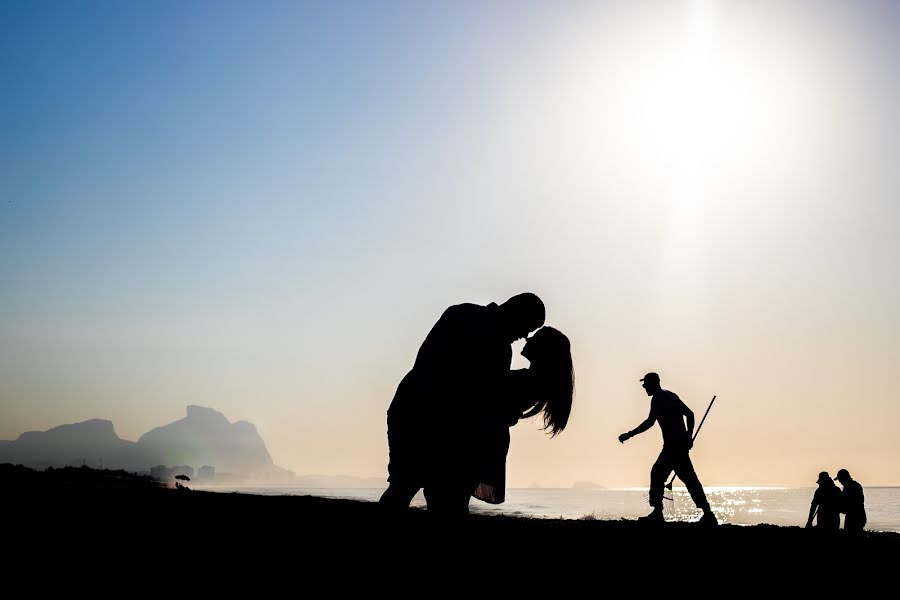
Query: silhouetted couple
{"points": [[667, 409], [448, 424], [829, 502]]}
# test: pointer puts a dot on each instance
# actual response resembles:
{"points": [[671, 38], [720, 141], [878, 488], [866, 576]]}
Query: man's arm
{"points": [[853, 498], [689, 419], [647, 424]]}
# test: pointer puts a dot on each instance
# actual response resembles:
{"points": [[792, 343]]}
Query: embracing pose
{"points": [[546, 387], [465, 362]]}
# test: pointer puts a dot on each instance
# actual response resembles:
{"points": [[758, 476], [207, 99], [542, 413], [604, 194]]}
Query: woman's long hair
{"points": [[550, 355]]}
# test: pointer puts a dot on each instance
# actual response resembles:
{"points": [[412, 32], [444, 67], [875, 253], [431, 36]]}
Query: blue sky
{"points": [[262, 208]]}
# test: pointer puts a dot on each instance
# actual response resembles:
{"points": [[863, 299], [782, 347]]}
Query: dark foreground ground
{"points": [[110, 529]]}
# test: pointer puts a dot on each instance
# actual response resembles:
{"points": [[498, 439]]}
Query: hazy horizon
{"points": [[263, 209]]}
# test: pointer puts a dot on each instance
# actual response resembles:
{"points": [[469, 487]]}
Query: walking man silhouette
{"points": [[852, 502], [667, 409]]}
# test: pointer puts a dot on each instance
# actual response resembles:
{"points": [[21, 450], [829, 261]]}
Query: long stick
{"points": [[696, 433]]}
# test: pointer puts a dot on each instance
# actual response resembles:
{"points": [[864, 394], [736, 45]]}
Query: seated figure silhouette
{"points": [[826, 505], [547, 386], [852, 502], [465, 359], [667, 409]]}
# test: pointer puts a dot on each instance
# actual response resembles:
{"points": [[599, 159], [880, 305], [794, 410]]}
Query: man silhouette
{"points": [[670, 412], [852, 502], [458, 373]]}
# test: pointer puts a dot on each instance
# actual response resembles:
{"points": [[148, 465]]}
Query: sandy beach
{"points": [[83, 518]]}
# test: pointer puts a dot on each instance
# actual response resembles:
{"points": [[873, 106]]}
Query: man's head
{"points": [[651, 383], [824, 478], [520, 315], [844, 476]]}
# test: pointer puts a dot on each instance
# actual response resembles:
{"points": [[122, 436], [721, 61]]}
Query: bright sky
{"points": [[263, 207]]}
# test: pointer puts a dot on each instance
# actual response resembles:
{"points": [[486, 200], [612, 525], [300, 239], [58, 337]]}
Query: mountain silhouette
{"points": [[88, 442], [206, 437], [203, 437]]}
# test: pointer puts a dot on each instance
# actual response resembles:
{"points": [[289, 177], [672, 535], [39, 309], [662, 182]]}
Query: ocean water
{"points": [[736, 505]]}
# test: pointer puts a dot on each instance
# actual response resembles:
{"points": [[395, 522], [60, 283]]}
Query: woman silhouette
{"points": [[826, 504], [547, 386]]}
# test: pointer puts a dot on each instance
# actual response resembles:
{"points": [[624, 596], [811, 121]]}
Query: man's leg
{"points": [[658, 474], [853, 523], [684, 469], [398, 495]]}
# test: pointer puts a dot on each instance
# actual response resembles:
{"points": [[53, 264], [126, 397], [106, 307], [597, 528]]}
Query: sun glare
{"points": [[695, 111], [685, 102]]}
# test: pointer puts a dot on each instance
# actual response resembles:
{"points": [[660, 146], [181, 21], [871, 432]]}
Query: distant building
{"points": [[206, 473], [162, 473], [183, 470]]}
